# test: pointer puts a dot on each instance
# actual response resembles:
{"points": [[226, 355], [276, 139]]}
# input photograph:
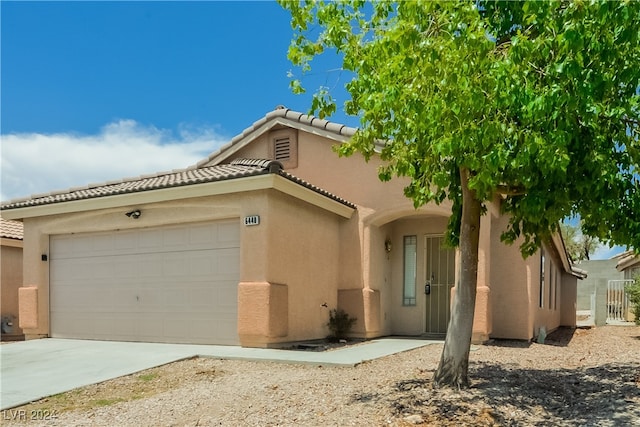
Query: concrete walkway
{"points": [[31, 370]]}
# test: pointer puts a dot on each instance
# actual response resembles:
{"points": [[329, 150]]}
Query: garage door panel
{"points": [[127, 268], [228, 261], [177, 284], [228, 233]]}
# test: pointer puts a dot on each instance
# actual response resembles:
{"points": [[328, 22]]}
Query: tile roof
{"points": [[294, 119], [237, 169], [11, 229], [626, 259]]}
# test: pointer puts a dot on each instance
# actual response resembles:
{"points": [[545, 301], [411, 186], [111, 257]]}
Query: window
{"points": [[557, 285], [410, 266], [542, 261], [552, 283], [283, 147]]}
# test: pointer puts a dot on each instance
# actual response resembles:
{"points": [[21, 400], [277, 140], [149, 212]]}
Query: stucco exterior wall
{"points": [[301, 253], [11, 280], [568, 296], [302, 260], [511, 277], [295, 247]]}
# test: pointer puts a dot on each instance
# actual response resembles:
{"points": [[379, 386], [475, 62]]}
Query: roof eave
{"points": [[11, 242], [558, 242], [229, 186], [628, 261]]}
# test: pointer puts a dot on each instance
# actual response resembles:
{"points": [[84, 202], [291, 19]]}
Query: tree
{"points": [[535, 104], [579, 246]]}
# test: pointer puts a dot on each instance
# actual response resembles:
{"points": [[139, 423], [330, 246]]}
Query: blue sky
{"points": [[104, 90], [95, 91]]}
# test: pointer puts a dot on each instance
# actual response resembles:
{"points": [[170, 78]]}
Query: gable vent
{"points": [[282, 149]]}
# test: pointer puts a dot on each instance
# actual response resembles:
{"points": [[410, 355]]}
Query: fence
{"points": [[618, 306]]}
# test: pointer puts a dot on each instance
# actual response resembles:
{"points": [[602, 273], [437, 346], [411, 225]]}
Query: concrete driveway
{"points": [[31, 370]]}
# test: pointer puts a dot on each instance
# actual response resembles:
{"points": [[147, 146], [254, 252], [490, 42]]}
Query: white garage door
{"points": [[171, 284]]}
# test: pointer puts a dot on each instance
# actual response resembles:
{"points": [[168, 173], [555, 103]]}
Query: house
{"points": [[255, 244], [628, 263], [10, 278]]}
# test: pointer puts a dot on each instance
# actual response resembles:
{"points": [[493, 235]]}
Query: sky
{"points": [[96, 91]]}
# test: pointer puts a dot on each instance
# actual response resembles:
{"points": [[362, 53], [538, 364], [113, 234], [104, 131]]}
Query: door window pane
{"points": [[410, 264]]}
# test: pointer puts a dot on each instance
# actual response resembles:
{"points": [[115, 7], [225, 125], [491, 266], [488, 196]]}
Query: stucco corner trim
{"points": [[28, 307], [263, 309]]}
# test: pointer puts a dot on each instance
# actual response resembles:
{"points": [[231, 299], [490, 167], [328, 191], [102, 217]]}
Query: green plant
{"points": [[633, 290], [340, 324], [148, 377]]}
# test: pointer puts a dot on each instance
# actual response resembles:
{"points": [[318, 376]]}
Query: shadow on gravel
{"points": [[561, 337], [607, 395], [602, 395]]}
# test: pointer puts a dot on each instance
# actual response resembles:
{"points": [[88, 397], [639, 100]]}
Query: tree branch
{"points": [[510, 190]]}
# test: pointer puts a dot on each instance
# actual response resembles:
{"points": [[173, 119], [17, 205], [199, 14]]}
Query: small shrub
{"points": [[633, 290], [340, 324]]}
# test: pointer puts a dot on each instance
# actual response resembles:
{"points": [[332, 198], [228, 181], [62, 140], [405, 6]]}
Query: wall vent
{"points": [[282, 149]]}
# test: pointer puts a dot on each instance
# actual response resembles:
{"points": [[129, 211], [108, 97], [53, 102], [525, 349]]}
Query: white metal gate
{"points": [[617, 300]]}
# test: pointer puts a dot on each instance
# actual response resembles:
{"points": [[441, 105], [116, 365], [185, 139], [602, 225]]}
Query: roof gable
{"points": [[279, 117]]}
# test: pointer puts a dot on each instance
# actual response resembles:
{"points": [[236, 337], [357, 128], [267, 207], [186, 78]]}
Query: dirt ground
{"points": [[578, 377]]}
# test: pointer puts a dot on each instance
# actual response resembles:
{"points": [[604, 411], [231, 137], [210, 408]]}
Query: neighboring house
{"points": [[629, 264], [255, 245], [10, 278]]}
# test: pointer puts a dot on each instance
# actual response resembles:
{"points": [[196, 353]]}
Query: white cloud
{"points": [[35, 163], [605, 252]]}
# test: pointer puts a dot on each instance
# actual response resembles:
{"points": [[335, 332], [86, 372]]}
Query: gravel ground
{"points": [[581, 377]]}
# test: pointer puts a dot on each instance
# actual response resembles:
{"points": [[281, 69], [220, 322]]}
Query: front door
{"points": [[439, 270]]}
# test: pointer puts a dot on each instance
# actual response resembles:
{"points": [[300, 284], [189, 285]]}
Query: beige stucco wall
{"points": [[10, 280], [289, 262], [508, 285], [511, 277], [300, 252], [369, 279], [302, 260], [515, 289]]}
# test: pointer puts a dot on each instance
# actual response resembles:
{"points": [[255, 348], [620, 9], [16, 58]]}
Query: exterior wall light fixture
{"points": [[134, 214]]}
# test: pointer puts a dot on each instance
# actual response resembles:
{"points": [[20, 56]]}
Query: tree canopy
{"points": [[535, 104], [538, 100], [578, 245]]}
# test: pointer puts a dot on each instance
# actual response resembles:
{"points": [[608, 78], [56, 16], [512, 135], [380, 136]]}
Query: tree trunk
{"points": [[454, 362]]}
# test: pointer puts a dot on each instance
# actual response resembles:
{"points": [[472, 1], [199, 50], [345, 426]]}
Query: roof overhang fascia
{"points": [[301, 192], [251, 134], [557, 241], [15, 243], [628, 261], [237, 185]]}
